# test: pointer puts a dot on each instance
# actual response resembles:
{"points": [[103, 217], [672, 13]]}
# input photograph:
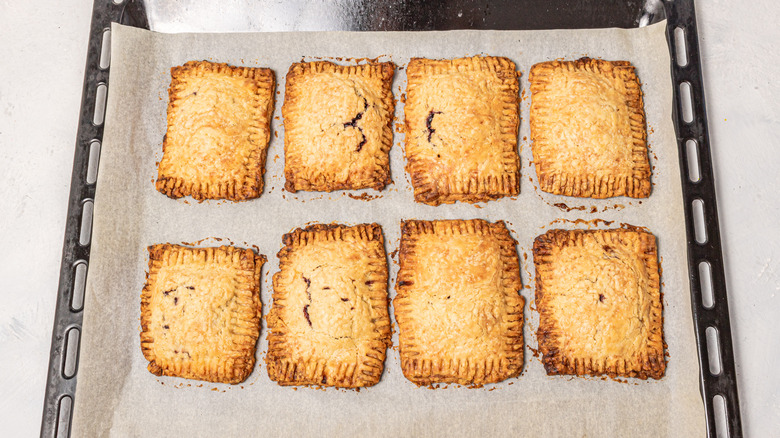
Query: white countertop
{"points": [[43, 49]]}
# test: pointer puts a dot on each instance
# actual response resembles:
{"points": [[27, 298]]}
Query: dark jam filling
{"points": [[308, 294], [428, 123], [353, 124]]}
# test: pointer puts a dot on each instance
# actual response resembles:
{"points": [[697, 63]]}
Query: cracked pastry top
{"points": [[599, 303], [458, 305], [588, 129], [200, 312], [329, 323], [338, 126], [218, 131], [461, 129]]}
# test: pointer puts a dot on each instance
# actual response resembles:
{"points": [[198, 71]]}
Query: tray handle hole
{"points": [[699, 224], [721, 422], [692, 151], [71, 352], [713, 350], [105, 50], [686, 102], [118, 2], [63, 417], [705, 283], [94, 160], [100, 104], [681, 49], [79, 283], [86, 222]]}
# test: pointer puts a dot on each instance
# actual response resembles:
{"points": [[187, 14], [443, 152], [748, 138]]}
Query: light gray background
{"points": [[43, 48]]}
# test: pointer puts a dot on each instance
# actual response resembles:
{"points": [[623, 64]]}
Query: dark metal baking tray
{"points": [[708, 286]]}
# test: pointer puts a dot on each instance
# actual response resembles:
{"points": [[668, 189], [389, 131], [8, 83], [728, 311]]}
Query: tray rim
{"points": [[678, 13]]}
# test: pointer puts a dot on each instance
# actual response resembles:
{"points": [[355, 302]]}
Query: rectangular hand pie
{"points": [[599, 303], [338, 126], [200, 312], [458, 305], [329, 323], [218, 131], [461, 129], [588, 129]]}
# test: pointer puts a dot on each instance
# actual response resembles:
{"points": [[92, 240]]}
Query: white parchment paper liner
{"points": [[117, 396]]}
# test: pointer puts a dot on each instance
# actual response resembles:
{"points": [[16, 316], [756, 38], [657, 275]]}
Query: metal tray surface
{"points": [[719, 390]]}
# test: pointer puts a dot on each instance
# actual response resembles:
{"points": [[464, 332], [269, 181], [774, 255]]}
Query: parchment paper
{"points": [[117, 396]]}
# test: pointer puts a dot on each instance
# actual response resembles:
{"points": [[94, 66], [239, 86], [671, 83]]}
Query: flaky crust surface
{"points": [[457, 305], [588, 129], [461, 129], [338, 126], [200, 312], [599, 302], [218, 131], [329, 323]]}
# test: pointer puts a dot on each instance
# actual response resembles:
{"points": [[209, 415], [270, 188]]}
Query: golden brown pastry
{"points": [[457, 305], [588, 129], [599, 303], [329, 324], [200, 312], [461, 129], [218, 131], [338, 126]]}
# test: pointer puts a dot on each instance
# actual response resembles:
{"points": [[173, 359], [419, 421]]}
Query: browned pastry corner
{"points": [[457, 303], [329, 324], [338, 126], [218, 131], [599, 303], [588, 129], [200, 312], [461, 129]]}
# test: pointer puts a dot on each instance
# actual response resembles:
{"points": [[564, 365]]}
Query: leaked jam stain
{"points": [[628, 226], [590, 209], [364, 196], [345, 59], [566, 208], [589, 223]]}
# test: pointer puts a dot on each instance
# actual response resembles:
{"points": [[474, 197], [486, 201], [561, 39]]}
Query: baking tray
{"points": [[708, 287]]}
